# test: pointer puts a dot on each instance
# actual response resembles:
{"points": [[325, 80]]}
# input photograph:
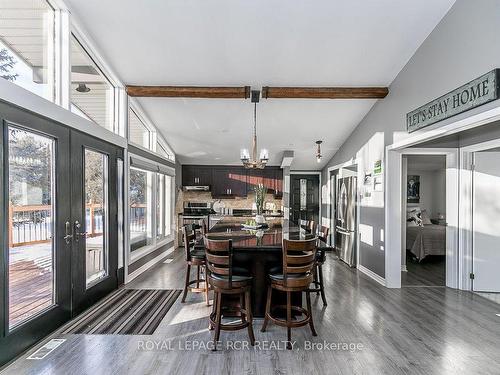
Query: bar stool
{"points": [[318, 266], [194, 257], [228, 280], [298, 262], [308, 225]]}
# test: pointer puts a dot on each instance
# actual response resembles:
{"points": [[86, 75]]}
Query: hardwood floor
{"points": [[430, 272], [407, 331]]}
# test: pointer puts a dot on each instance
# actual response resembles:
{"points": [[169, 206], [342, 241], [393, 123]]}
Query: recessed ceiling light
{"points": [[497, 314]]}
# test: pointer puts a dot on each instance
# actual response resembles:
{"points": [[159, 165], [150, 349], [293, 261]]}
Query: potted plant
{"points": [[260, 195]]}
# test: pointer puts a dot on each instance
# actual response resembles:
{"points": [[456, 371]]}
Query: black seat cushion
{"points": [[320, 256], [235, 278], [197, 253], [276, 269]]}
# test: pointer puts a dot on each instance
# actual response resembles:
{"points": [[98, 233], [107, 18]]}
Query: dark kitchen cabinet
{"points": [[270, 177], [196, 175], [229, 182]]}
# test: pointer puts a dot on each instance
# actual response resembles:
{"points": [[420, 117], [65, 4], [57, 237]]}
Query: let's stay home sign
{"points": [[473, 94]]}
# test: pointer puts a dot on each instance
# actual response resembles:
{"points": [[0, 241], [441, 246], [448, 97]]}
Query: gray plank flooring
{"points": [[402, 331], [430, 272]]}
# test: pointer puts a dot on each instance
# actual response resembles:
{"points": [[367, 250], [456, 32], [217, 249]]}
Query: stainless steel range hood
{"points": [[197, 188]]}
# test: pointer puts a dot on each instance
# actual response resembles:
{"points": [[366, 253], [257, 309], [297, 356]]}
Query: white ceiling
{"points": [[259, 42]]}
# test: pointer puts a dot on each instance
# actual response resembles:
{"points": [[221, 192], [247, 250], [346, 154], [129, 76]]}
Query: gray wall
{"points": [[462, 47]]}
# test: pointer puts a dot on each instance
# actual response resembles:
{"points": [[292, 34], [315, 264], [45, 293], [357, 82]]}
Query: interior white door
{"points": [[486, 221]]}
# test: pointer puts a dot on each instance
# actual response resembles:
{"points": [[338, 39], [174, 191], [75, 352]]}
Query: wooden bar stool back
{"points": [[308, 225], [298, 263], [319, 286], [194, 257], [226, 279]]}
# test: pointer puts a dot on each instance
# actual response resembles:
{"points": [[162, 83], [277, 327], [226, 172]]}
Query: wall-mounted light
{"points": [[318, 152], [82, 87]]}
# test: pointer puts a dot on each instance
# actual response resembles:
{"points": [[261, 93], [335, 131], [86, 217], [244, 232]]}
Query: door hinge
{"points": [[471, 275]]}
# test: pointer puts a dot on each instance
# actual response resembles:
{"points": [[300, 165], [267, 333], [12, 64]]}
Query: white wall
{"points": [[432, 191], [463, 46]]}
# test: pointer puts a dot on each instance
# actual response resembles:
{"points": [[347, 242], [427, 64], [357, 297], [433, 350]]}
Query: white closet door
{"points": [[486, 222]]}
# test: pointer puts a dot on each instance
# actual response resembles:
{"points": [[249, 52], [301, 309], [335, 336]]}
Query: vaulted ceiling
{"points": [[257, 43]]}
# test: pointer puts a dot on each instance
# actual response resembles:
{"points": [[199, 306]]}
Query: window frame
{"points": [[114, 88], [148, 165], [144, 121]]}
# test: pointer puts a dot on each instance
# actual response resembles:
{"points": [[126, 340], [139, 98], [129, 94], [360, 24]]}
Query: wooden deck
{"points": [[30, 288]]}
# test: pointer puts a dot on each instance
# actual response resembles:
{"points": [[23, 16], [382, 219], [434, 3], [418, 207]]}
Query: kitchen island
{"points": [[259, 251]]}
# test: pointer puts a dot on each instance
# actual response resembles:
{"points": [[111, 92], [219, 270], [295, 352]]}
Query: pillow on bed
{"points": [[415, 216], [426, 220], [412, 223]]}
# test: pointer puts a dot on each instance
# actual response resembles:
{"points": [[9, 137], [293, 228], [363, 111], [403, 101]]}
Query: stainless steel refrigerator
{"points": [[345, 225]]}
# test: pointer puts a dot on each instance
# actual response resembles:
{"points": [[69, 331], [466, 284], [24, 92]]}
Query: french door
{"points": [[58, 235], [94, 215]]}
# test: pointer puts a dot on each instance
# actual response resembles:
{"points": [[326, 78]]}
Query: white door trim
{"points": [[394, 215]]}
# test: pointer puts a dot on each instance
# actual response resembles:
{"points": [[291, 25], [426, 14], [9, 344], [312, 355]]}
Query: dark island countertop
{"points": [[268, 238]]}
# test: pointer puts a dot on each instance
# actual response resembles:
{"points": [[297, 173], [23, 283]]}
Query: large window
{"points": [[92, 95], [27, 45], [140, 215], [150, 205], [138, 132]]}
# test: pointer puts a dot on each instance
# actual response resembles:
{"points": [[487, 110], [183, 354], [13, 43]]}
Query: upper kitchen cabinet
{"points": [[229, 182], [270, 177], [196, 175]]}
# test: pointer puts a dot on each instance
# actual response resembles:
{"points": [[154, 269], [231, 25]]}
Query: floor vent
{"points": [[45, 350]]}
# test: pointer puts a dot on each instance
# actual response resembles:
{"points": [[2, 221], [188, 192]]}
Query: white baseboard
{"points": [[379, 279], [149, 264]]}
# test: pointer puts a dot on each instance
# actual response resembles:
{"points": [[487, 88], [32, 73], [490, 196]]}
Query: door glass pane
{"points": [[92, 95], [303, 194], [30, 224], [141, 209], [27, 45], [160, 204], [96, 216]]}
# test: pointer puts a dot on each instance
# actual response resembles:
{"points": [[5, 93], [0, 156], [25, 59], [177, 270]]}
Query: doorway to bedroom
{"points": [[424, 232]]}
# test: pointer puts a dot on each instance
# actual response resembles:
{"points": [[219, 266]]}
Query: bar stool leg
{"points": [[322, 289], [186, 284], [198, 277], [309, 310], [249, 317], [315, 275], [243, 307], [207, 287], [288, 321], [218, 297], [268, 308]]}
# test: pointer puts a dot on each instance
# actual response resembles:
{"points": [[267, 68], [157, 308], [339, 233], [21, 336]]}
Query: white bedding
{"points": [[426, 240]]}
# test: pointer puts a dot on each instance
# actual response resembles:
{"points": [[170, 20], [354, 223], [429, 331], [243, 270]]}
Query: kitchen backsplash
{"points": [[241, 203]]}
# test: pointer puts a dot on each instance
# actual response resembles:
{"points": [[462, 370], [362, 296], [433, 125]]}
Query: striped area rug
{"points": [[125, 312]]}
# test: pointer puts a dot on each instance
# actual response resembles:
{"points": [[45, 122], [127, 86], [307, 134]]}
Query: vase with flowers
{"points": [[260, 196]]}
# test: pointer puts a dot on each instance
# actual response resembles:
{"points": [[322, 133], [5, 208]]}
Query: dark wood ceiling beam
{"points": [[190, 92], [324, 92]]}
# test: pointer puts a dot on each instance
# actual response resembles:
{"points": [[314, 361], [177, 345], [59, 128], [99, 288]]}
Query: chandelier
{"points": [[251, 161]]}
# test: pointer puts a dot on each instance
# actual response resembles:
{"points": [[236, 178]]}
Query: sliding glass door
{"points": [[59, 226]]}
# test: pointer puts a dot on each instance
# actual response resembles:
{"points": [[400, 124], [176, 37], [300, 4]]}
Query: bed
{"points": [[428, 239]]}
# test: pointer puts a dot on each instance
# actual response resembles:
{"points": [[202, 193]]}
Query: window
{"points": [[92, 95], [138, 132], [150, 204], [140, 216], [27, 45]]}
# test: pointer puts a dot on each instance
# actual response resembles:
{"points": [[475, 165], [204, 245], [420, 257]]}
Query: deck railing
{"points": [[32, 224]]}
